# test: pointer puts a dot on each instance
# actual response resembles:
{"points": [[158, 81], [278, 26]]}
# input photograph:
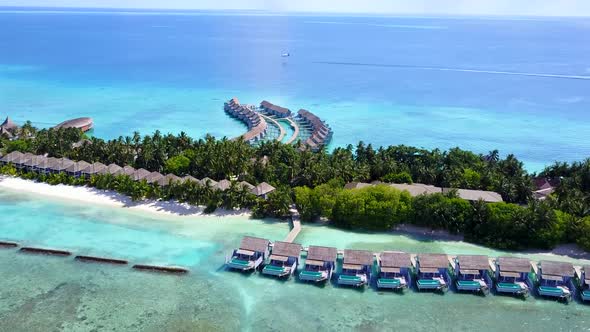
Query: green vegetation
{"points": [[314, 181]]}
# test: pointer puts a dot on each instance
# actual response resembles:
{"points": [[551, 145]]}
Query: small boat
{"points": [[285, 55]]}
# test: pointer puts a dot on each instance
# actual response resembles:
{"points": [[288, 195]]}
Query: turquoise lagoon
{"points": [[50, 293]]}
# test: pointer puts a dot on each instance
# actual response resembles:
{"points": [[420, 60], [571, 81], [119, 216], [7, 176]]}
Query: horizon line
{"points": [[163, 10]]}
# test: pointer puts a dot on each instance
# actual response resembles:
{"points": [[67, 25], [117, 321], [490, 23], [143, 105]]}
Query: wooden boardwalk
{"points": [[282, 132], [296, 224], [295, 127]]}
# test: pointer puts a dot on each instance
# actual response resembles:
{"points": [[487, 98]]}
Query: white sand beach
{"points": [[111, 198]]}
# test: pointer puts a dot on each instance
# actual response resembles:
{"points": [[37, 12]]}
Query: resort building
{"points": [[263, 189], [417, 189], [246, 186], [356, 268], [129, 171], [250, 255], [556, 280], [512, 275], [32, 162], [544, 187], [189, 178], [84, 124], [284, 259], [432, 272], [395, 270], [222, 185], [8, 128], [93, 169], [114, 169], [585, 283], [140, 174], [153, 177], [356, 185], [321, 134], [168, 180], [473, 273], [275, 110], [46, 165], [76, 168], [476, 195], [257, 126], [11, 157], [319, 264], [207, 182]]}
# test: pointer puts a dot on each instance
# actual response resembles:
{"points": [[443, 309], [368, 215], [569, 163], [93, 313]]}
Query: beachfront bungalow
{"points": [[168, 180], [189, 178], [46, 165], [114, 169], [556, 280], [395, 270], [319, 264], [93, 169], [473, 273], [512, 276], [30, 163], [585, 283], [432, 272], [284, 258], [76, 168], [129, 171], [356, 268], [222, 185], [263, 189], [153, 177], [61, 165], [246, 186], [253, 251], [19, 162], [140, 174], [207, 182], [11, 157]]}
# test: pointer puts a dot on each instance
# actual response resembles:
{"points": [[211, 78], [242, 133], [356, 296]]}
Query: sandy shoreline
{"points": [[112, 199]]}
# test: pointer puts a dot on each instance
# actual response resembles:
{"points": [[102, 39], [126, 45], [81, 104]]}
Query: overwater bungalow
{"points": [[585, 283], [168, 180], [253, 251], [356, 268], [473, 273], [153, 177], [140, 174], [263, 189], [432, 272], [512, 275], [319, 264], [76, 168], [556, 280], [284, 258], [395, 270], [275, 110]]}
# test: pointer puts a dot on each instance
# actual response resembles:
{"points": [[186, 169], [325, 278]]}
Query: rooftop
{"points": [[286, 249], [562, 269], [395, 259], [473, 262], [433, 261], [325, 254], [514, 264], [254, 244], [358, 257]]}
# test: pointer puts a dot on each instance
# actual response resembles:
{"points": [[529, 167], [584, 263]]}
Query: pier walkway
{"points": [[296, 224], [295, 131], [282, 131]]}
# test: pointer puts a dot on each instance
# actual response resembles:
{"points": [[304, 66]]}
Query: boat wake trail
{"points": [[461, 70]]}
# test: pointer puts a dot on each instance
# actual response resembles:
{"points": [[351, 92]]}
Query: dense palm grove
{"points": [[315, 182]]}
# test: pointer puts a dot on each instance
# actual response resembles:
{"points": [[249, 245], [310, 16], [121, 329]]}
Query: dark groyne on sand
{"points": [[157, 268], [102, 260], [8, 244], [44, 251]]}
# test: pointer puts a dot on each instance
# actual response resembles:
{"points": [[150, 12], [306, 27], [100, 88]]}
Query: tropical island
{"points": [[490, 200]]}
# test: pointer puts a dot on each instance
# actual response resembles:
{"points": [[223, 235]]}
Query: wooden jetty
{"points": [[44, 251], [164, 269], [103, 260]]}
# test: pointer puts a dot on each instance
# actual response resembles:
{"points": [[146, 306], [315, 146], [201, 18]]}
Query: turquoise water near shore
{"points": [[480, 84], [50, 293]]}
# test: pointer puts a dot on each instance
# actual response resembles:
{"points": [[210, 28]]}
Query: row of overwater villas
{"points": [[50, 165], [401, 271], [257, 125]]}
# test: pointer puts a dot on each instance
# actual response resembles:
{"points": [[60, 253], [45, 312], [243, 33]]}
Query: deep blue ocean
{"points": [[515, 84]]}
